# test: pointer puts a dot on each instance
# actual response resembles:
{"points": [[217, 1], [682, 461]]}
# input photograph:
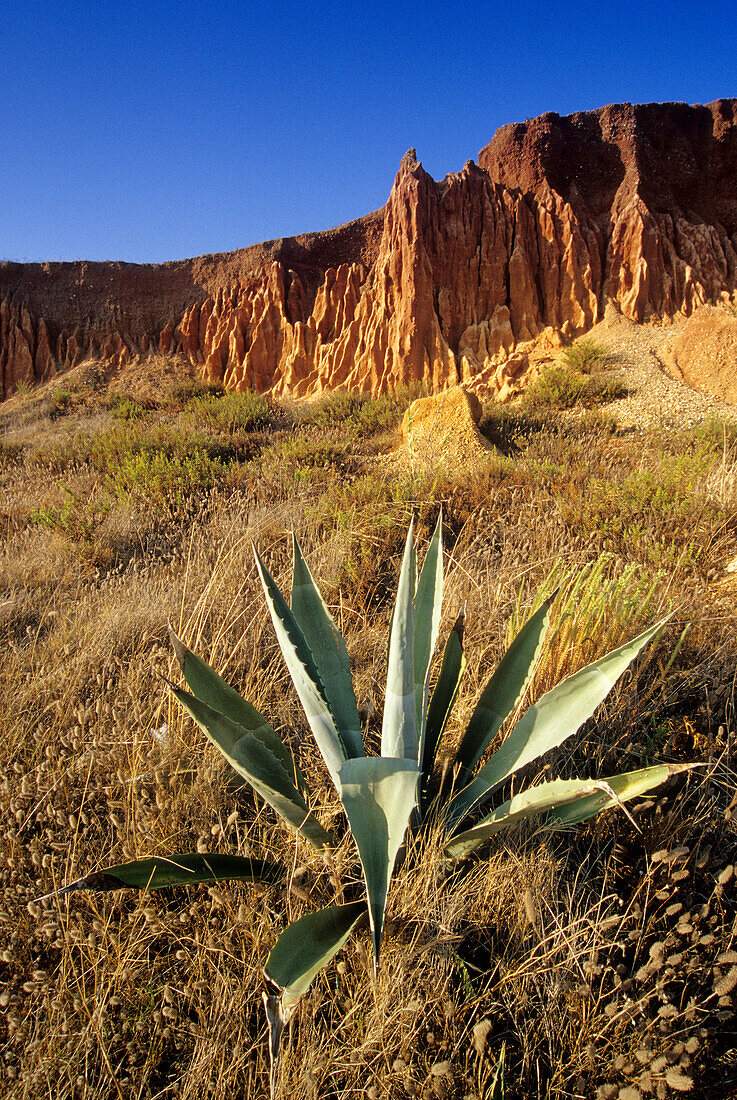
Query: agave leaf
{"points": [[211, 689], [307, 945], [399, 726], [252, 759], [504, 690], [329, 652], [619, 788], [564, 802], [552, 720], [427, 607], [497, 1090], [536, 800], [378, 795], [301, 664], [444, 695], [302, 950], [177, 870]]}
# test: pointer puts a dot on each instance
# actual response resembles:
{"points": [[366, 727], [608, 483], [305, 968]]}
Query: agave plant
{"points": [[383, 796]]}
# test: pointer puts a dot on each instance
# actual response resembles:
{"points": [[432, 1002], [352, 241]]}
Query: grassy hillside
{"points": [[600, 961]]}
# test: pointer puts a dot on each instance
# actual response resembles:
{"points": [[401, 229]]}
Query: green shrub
{"points": [[562, 387], [105, 452], [301, 451], [585, 354], [155, 477], [78, 519], [600, 391], [192, 389], [124, 407], [359, 414], [232, 412], [712, 435], [61, 403], [556, 387]]}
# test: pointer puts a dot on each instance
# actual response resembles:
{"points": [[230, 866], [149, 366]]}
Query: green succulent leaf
{"points": [[618, 789], [305, 676], [329, 652], [444, 696], [497, 1090], [211, 689], [563, 802], [252, 759], [302, 950], [550, 722], [428, 603], [504, 690], [307, 945], [399, 726], [378, 795], [177, 870]]}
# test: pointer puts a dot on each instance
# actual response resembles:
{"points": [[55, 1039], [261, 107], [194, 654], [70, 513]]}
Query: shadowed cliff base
{"points": [[475, 278]]}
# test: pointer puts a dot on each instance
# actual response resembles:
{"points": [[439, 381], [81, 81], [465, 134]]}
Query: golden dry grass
{"points": [[600, 959]]}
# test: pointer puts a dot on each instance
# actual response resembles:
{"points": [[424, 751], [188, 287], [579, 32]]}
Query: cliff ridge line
{"points": [[467, 279]]}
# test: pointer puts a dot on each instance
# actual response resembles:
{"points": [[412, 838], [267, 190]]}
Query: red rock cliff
{"points": [[633, 205]]}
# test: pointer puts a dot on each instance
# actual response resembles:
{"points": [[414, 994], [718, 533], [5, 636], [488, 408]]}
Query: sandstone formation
{"points": [[443, 429], [704, 354], [470, 279]]}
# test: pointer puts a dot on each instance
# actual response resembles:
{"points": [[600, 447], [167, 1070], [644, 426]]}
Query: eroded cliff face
{"points": [[466, 279]]}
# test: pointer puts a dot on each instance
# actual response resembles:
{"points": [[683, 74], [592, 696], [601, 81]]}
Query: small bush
{"points": [[358, 413], [61, 403], [124, 407], [600, 391], [585, 355], [712, 434], [22, 388], [105, 452], [233, 412], [192, 389], [78, 520], [556, 387], [562, 387], [158, 478]]}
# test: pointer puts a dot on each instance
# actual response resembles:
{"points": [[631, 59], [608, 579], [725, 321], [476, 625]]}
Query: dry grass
{"points": [[602, 958]]}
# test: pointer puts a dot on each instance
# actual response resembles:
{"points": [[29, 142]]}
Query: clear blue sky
{"points": [[158, 130]]}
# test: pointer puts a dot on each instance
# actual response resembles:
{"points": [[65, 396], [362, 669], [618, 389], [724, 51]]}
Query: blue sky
{"points": [[153, 131]]}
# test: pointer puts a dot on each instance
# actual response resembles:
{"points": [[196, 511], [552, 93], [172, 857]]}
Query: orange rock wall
{"points": [[455, 280]]}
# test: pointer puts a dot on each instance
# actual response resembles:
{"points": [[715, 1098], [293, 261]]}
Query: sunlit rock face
{"points": [[469, 279]]}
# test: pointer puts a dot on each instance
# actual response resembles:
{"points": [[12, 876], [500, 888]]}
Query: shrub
{"points": [[124, 407], [402, 789], [233, 412], [563, 387], [555, 387], [192, 389], [585, 354], [61, 403], [122, 445], [77, 519], [358, 413], [159, 478]]}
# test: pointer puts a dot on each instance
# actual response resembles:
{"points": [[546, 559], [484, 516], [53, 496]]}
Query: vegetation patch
{"points": [[596, 961], [232, 412], [562, 386], [585, 355]]}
